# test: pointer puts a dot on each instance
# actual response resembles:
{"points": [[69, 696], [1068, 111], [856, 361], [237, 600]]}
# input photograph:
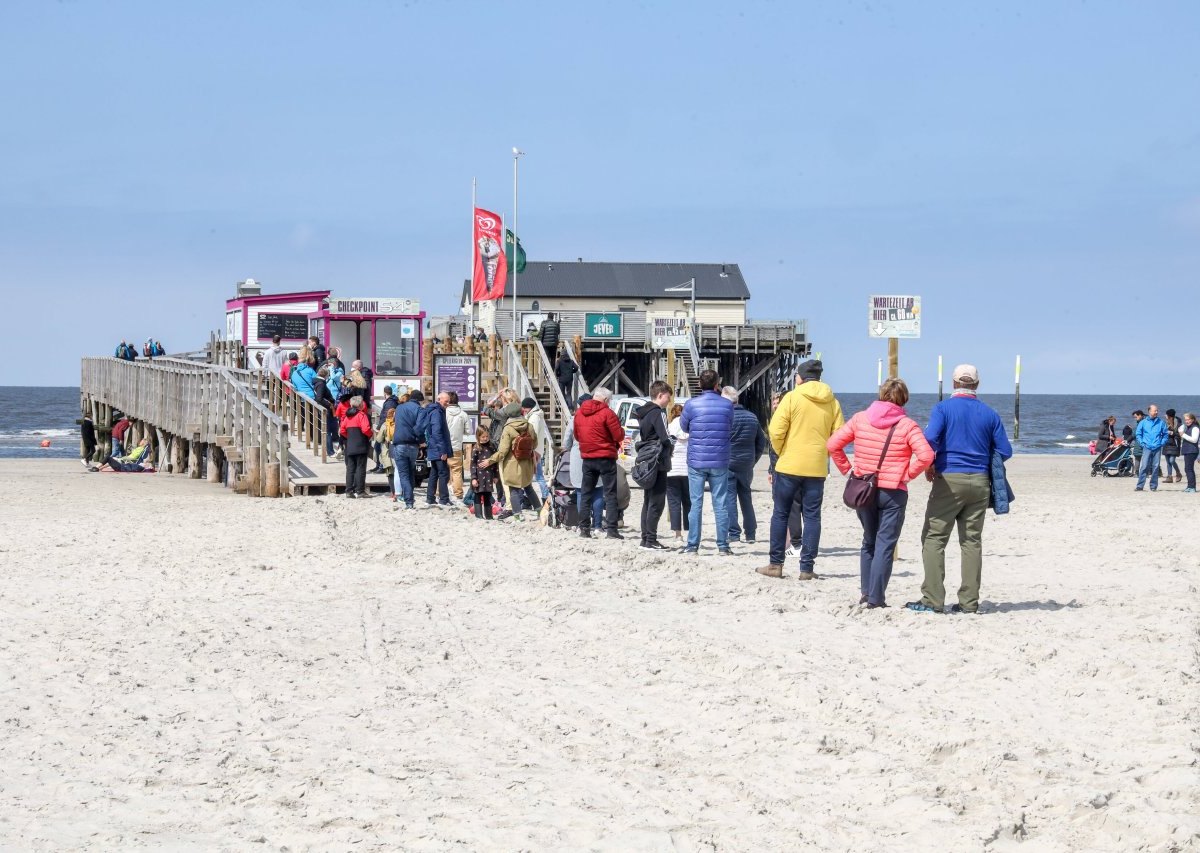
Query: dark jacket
{"points": [[321, 394], [390, 403], [549, 334], [405, 432], [652, 424], [483, 478], [708, 421], [747, 441], [319, 353], [565, 369], [437, 434], [598, 431], [356, 429]]}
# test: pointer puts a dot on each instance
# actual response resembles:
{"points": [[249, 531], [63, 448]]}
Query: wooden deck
{"points": [[308, 475]]}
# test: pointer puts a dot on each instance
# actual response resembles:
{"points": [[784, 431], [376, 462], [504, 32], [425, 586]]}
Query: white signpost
{"points": [[894, 316], [670, 333]]}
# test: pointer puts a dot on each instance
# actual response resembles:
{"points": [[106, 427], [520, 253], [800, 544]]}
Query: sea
{"points": [[1050, 423]]}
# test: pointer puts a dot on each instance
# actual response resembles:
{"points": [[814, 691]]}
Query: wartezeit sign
{"points": [[372, 305]]}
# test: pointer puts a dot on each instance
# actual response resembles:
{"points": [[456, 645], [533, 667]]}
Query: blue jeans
{"points": [[1149, 466], [718, 483], [540, 478], [439, 482], [404, 457], [809, 491], [597, 507], [881, 525], [739, 493], [117, 448]]}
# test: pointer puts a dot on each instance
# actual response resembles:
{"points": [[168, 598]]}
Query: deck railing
{"points": [[205, 407], [307, 419]]}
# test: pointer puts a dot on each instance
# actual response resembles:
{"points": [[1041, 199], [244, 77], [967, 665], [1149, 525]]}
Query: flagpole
{"points": [[471, 268], [516, 236]]}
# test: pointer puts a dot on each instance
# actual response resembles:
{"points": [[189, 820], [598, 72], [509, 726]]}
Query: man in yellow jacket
{"points": [[807, 416]]}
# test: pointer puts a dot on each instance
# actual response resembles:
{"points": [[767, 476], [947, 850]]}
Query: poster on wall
{"points": [[460, 374]]}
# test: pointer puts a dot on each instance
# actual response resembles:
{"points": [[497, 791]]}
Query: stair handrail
{"points": [[305, 417], [578, 373], [519, 380]]}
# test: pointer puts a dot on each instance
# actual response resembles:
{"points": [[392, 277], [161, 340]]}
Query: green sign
{"points": [[602, 326]]}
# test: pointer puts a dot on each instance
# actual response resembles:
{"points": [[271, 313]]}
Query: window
{"points": [[396, 352]]}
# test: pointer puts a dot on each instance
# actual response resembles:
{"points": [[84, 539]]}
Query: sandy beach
{"points": [[184, 668]]}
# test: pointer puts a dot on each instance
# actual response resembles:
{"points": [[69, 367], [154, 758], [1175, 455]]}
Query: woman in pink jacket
{"points": [[907, 456]]}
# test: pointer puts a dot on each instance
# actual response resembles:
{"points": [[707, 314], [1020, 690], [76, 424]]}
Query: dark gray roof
{"points": [[567, 279]]}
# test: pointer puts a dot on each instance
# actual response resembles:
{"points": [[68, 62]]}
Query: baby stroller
{"points": [[1116, 461], [564, 498]]}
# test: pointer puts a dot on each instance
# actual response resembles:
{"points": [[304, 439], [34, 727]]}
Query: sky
{"points": [[1031, 170]]}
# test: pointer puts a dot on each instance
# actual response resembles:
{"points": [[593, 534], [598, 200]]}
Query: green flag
{"points": [[509, 240]]}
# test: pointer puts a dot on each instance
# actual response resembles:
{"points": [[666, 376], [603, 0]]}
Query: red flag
{"points": [[491, 266]]}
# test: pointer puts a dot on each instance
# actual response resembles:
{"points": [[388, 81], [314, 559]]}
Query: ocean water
{"points": [[1050, 423]]}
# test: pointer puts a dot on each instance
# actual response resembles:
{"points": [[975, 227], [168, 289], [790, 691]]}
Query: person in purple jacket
{"points": [[964, 433], [708, 421]]}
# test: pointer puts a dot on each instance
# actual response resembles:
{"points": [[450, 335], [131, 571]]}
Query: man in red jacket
{"points": [[599, 435]]}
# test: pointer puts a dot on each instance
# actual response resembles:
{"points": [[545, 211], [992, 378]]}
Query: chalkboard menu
{"points": [[287, 326]]}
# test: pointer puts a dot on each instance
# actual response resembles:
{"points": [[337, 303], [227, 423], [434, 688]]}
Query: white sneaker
{"points": [[791, 552]]}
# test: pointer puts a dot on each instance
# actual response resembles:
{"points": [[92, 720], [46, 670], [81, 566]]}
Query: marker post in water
{"points": [[1017, 404], [940, 397]]}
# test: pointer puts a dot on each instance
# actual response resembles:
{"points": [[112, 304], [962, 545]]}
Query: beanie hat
{"points": [[811, 369]]}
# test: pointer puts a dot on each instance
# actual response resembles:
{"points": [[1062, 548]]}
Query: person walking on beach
{"points": [[1189, 435], [747, 444], [514, 459], [891, 445], [1170, 450], [1108, 434], [799, 430], [437, 451], [796, 516], [405, 443], [457, 424], [87, 435], [1151, 434], [708, 421], [356, 430], [679, 496], [599, 435], [964, 433], [482, 474], [652, 426]]}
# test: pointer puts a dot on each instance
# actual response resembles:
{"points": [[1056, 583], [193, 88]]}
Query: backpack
{"points": [[157, 349], [524, 446], [646, 466], [121, 351]]}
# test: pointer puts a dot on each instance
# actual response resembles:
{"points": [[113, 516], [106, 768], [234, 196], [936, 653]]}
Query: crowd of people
{"points": [[1156, 443], [152, 348]]}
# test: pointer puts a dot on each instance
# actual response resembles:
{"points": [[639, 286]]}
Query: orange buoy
{"points": [[45, 442]]}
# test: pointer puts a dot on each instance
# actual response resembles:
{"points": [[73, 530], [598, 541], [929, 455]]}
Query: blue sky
{"points": [[1032, 170]]}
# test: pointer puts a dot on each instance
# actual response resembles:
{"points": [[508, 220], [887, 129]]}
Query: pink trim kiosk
{"points": [[386, 332]]}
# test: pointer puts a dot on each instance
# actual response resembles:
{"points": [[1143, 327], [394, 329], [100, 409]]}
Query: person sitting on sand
{"points": [[136, 462]]}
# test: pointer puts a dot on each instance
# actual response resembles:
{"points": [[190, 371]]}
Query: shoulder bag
{"points": [[862, 488]]}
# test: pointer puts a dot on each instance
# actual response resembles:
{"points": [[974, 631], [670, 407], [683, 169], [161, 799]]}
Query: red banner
{"points": [[491, 266]]}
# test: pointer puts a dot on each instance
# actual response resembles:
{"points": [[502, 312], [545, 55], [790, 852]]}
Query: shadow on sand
{"points": [[1016, 606]]}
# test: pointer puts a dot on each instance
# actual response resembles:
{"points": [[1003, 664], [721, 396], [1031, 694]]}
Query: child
{"points": [[482, 474]]}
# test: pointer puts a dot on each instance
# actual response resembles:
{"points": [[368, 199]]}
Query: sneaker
{"points": [[737, 538], [653, 546], [921, 607], [1189, 491], [506, 514], [725, 552], [958, 608], [791, 551], [613, 534], [689, 549], [351, 495], [774, 570], [585, 533], [750, 541], [1137, 488]]}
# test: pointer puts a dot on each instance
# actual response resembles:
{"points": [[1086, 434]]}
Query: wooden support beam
{"points": [[757, 372], [612, 371]]}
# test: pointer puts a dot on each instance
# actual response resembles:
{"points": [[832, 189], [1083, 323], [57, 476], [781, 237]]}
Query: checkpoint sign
{"points": [[894, 317]]}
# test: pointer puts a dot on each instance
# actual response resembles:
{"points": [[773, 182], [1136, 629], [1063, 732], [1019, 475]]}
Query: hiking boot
{"points": [[613, 534], [585, 533], [774, 570], [808, 576]]}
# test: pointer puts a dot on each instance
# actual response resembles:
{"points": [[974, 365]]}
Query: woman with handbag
{"points": [[889, 450]]}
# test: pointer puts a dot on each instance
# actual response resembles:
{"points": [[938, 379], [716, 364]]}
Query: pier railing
{"points": [[206, 419], [307, 419]]}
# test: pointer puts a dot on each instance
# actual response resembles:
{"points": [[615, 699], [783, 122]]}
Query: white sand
{"points": [[185, 668]]}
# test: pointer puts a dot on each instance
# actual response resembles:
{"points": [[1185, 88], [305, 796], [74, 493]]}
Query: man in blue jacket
{"points": [[708, 421], [963, 432], [747, 444], [1151, 434], [406, 439], [437, 451]]}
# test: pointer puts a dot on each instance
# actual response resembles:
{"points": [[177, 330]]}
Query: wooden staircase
{"points": [[691, 372]]}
